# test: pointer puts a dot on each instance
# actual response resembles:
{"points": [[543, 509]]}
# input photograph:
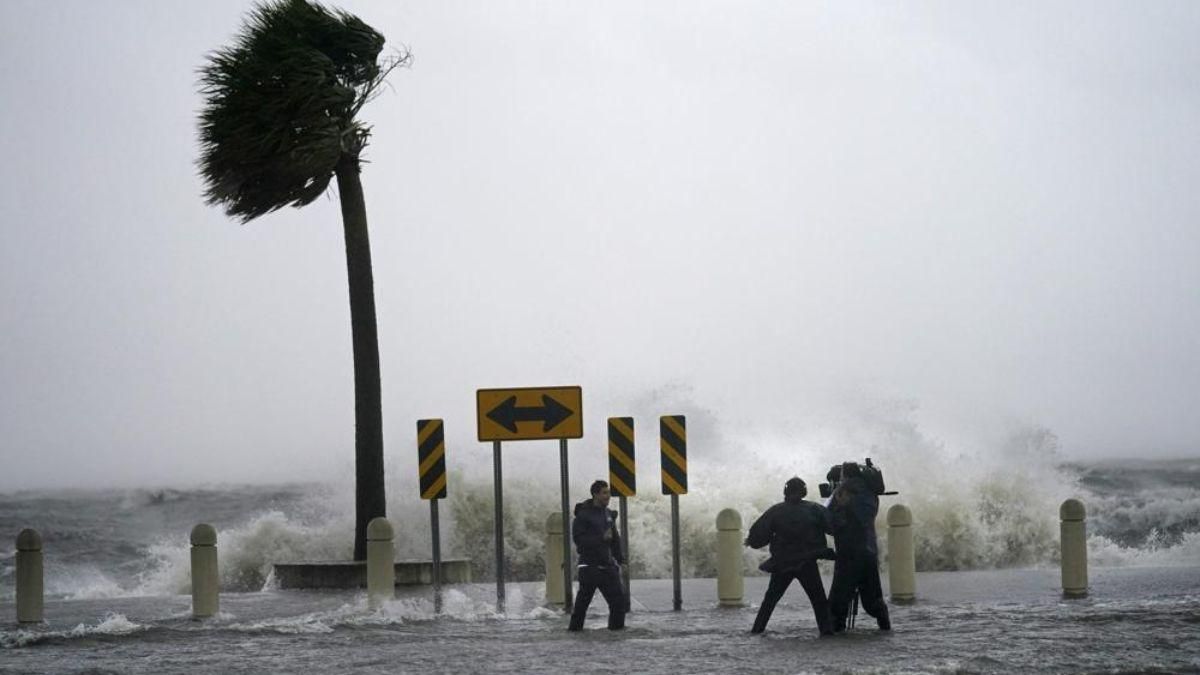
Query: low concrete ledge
{"points": [[353, 574]]}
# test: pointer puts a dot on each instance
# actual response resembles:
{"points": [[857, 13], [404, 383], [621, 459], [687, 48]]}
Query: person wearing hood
{"points": [[852, 510], [795, 529], [600, 558]]}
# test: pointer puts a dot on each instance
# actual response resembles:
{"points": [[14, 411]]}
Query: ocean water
{"points": [[988, 586]]}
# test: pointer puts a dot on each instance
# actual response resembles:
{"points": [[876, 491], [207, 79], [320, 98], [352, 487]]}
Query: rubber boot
{"points": [[578, 614], [825, 624], [839, 624], [616, 620], [761, 619], [881, 615]]}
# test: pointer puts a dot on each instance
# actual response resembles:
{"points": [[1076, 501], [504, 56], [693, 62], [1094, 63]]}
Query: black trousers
{"points": [[856, 574], [810, 580], [608, 580]]}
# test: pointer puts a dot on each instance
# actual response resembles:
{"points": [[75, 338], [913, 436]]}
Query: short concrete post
{"points": [[555, 593], [381, 562], [902, 563], [206, 578], [30, 580], [1074, 549], [730, 584]]}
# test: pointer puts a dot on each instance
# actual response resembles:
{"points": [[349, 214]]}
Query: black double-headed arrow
{"points": [[551, 413]]}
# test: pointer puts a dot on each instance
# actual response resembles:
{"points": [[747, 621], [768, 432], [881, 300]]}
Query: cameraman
{"points": [[796, 531], [852, 510]]}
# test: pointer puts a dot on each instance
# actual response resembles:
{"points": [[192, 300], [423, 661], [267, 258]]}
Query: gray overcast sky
{"points": [[989, 210]]}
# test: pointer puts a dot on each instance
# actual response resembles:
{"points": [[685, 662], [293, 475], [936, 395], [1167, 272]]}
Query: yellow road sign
{"points": [[673, 442], [622, 471], [431, 458], [529, 413]]}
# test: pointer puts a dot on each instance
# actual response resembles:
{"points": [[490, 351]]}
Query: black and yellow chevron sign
{"points": [[431, 458], [622, 474], [672, 431]]}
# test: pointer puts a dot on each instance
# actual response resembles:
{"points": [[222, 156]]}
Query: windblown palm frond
{"points": [[280, 105]]}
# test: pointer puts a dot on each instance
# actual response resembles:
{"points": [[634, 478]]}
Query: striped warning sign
{"points": [[431, 458], [672, 431], [622, 476]]}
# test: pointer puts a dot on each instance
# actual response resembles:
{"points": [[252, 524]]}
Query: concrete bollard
{"points": [[381, 562], [902, 563], [30, 580], [206, 578], [1074, 549], [555, 593], [730, 584]]}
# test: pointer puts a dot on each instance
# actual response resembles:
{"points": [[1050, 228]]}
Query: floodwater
{"points": [[1143, 619]]}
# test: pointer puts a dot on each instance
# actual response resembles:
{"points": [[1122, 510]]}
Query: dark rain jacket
{"points": [[852, 511], [591, 522], [795, 531]]}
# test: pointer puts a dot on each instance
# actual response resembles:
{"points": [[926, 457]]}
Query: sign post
{"points": [[498, 519], [523, 414], [431, 470], [622, 479], [568, 596], [673, 444]]}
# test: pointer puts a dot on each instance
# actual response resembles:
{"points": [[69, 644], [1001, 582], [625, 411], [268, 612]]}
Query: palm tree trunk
{"points": [[370, 499]]}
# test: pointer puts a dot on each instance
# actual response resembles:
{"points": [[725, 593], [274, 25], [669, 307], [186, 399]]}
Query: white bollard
{"points": [[730, 584], [1074, 549], [206, 578], [902, 563], [30, 580], [381, 562], [555, 593]]}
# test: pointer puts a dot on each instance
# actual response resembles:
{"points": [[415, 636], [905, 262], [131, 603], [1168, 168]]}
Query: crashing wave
{"points": [[992, 506]]}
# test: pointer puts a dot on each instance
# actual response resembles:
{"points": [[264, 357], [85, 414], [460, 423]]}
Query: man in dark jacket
{"points": [[852, 510], [795, 530], [600, 558]]}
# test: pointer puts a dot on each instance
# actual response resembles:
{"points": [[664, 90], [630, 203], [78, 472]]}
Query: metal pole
{"points": [[622, 501], [568, 597], [678, 605], [497, 476], [437, 556]]}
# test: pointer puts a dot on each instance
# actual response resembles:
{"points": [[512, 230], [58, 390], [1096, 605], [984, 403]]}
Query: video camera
{"points": [[870, 474]]}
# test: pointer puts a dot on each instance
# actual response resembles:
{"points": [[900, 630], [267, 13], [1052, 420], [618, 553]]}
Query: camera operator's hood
{"points": [[795, 487]]}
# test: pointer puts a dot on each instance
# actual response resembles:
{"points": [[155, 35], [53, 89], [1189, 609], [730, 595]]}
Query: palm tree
{"points": [[278, 123]]}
